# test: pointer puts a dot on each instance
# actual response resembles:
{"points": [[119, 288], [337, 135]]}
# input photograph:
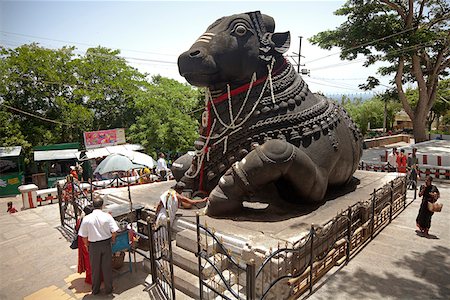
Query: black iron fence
{"points": [[290, 270]]}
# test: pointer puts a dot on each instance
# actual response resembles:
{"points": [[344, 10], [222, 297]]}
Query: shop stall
{"points": [[11, 170]]}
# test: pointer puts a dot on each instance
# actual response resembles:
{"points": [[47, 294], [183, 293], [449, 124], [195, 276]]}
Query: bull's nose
{"points": [[196, 53]]}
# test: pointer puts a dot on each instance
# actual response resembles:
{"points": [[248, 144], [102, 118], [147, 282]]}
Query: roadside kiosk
{"points": [[53, 163], [11, 170]]}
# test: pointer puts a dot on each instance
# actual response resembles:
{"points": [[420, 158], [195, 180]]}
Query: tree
{"points": [[52, 96], [371, 111], [109, 87], [36, 82], [166, 118], [412, 36]]}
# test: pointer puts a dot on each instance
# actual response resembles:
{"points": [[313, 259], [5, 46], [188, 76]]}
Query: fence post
{"points": [[200, 280], [311, 259], [372, 221], [169, 240], [349, 234], [391, 201], [92, 188], [74, 203], [250, 280], [151, 236], [405, 189], [61, 214], [415, 191]]}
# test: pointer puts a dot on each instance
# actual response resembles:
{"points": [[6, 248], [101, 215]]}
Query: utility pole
{"points": [[299, 54], [299, 57]]}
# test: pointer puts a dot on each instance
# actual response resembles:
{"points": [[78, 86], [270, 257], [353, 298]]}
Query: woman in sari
{"points": [[84, 263], [430, 193]]}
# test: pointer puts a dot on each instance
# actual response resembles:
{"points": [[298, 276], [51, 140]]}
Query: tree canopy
{"points": [[412, 36], [166, 117], [53, 95]]}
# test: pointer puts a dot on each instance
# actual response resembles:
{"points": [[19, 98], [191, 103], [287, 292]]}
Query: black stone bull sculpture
{"points": [[261, 124]]}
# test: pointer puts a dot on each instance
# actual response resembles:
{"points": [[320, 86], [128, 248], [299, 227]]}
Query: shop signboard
{"points": [[103, 138]]}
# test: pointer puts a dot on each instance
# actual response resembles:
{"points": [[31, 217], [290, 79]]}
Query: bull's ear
{"points": [[282, 41]]}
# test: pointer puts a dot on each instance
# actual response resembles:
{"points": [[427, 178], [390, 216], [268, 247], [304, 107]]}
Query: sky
{"points": [[152, 34]]}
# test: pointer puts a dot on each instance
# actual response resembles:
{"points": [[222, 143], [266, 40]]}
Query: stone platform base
{"points": [[267, 224]]}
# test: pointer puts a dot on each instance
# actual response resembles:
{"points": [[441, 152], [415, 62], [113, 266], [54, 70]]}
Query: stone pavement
{"points": [[399, 263], [37, 263]]}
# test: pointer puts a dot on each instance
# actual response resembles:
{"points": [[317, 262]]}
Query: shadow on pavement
{"points": [[431, 267]]}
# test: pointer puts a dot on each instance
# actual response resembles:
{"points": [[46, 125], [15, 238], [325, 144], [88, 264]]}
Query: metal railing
{"points": [[292, 269]]}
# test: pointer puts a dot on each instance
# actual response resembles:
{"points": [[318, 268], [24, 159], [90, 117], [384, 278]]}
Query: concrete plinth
{"points": [[274, 220]]}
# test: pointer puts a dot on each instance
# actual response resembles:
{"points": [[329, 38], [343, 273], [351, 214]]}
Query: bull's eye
{"points": [[240, 30]]}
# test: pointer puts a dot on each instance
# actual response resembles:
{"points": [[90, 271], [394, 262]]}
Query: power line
{"points": [[371, 42], [401, 50], [80, 43], [332, 85], [34, 116]]}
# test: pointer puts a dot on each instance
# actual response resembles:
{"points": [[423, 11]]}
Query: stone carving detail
{"points": [[261, 123]]}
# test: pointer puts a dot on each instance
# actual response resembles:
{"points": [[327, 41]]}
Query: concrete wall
{"points": [[387, 140]]}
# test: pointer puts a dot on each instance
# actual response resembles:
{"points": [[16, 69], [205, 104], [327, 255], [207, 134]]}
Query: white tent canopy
{"points": [[105, 151], [55, 154], [10, 151]]}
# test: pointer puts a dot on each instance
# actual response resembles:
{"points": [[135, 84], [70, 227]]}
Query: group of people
{"points": [[399, 162]]}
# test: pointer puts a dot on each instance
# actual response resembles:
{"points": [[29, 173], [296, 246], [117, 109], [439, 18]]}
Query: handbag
{"points": [[435, 207], [74, 244]]}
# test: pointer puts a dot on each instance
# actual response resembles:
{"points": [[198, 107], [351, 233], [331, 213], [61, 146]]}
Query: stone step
{"points": [[188, 284], [187, 239], [189, 262], [158, 294]]}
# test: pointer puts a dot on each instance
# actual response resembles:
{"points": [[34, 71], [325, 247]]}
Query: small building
{"points": [[53, 163], [402, 121], [11, 170]]}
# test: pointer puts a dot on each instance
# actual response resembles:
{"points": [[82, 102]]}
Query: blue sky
{"points": [[151, 34]]}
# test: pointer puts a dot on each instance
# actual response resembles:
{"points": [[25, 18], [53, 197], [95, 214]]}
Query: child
{"points": [[11, 208]]}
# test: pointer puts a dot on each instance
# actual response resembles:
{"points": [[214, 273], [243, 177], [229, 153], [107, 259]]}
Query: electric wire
{"points": [[34, 116], [374, 41]]}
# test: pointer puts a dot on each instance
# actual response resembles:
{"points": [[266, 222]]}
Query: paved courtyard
{"points": [[37, 263]]}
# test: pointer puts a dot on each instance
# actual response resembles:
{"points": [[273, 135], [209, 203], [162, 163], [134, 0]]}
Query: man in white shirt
{"points": [[161, 167], [98, 231], [392, 160]]}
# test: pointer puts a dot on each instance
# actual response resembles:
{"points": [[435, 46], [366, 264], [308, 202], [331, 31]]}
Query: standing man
{"points": [[98, 231], [413, 161], [161, 168], [392, 160]]}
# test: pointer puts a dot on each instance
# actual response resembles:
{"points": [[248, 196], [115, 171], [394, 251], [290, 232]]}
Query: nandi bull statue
{"points": [[261, 124]]}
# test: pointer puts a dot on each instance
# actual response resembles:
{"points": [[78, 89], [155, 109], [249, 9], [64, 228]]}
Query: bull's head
{"points": [[232, 49]]}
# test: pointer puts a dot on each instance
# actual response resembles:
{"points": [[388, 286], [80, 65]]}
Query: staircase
{"points": [[185, 266]]}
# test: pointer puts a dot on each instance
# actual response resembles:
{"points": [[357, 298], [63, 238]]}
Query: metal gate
{"points": [[161, 259], [71, 200]]}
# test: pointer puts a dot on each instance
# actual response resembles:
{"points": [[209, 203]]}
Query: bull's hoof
{"points": [[220, 205]]}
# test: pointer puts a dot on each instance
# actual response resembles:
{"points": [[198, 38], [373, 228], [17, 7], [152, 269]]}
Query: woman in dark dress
{"points": [[430, 193]]}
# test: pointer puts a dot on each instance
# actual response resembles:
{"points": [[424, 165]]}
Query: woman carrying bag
{"points": [[430, 195]]}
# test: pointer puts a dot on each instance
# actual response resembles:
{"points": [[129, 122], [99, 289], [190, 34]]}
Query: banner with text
{"points": [[103, 138]]}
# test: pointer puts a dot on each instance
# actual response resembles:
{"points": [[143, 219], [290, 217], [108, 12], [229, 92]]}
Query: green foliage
{"points": [[108, 87], [412, 36], [166, 122], [371, 111], [67, 94]]}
